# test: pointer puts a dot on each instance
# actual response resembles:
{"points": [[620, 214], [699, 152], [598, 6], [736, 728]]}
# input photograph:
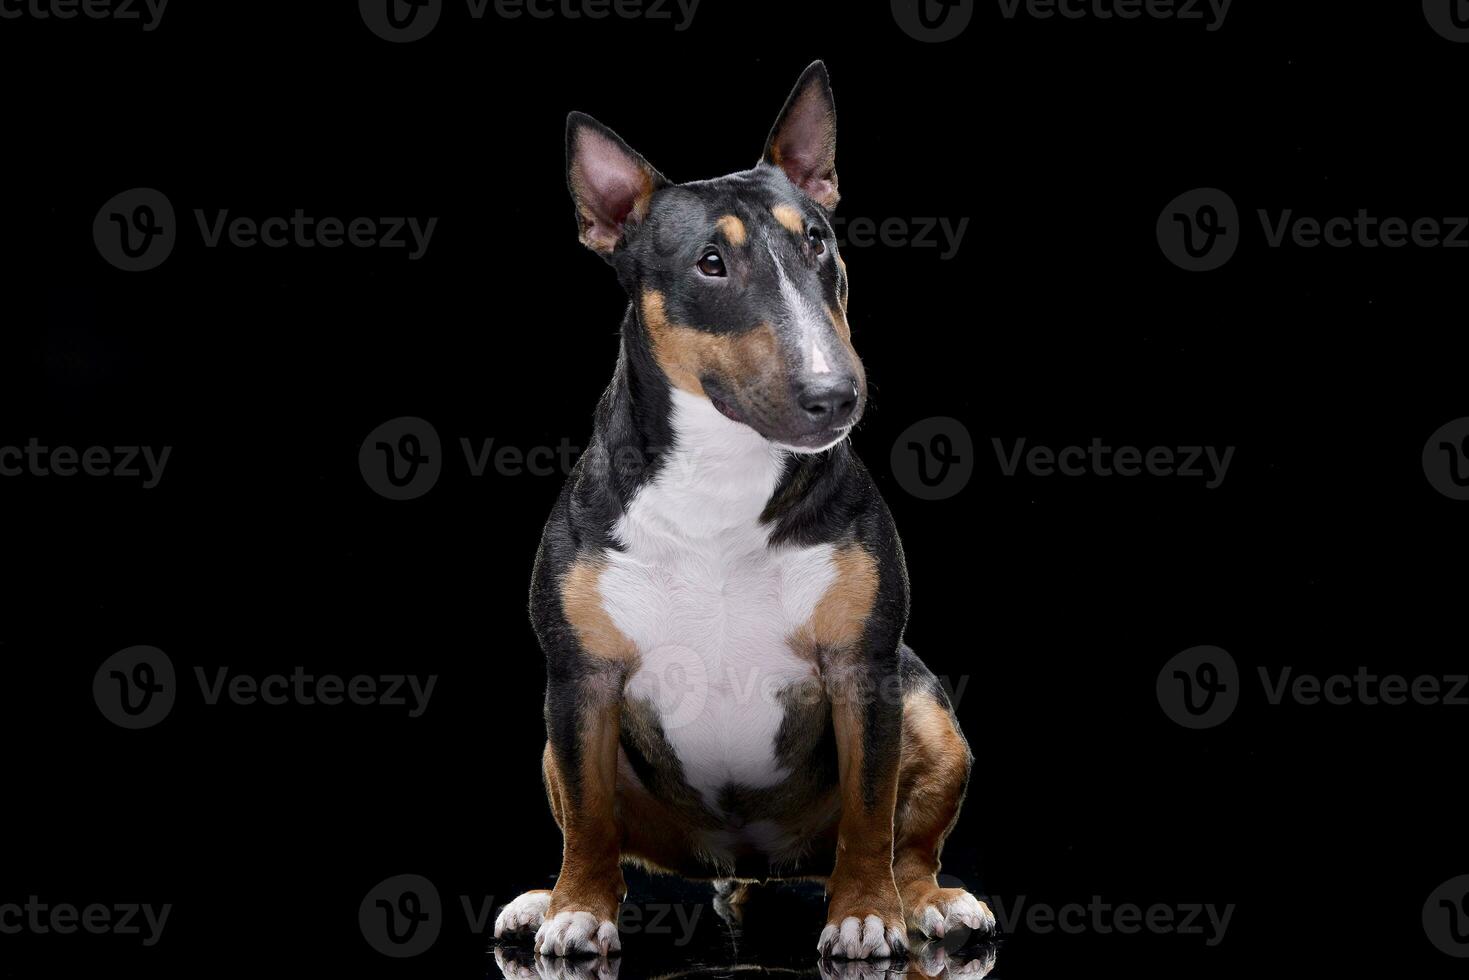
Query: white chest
{"points": [[710, 607]]}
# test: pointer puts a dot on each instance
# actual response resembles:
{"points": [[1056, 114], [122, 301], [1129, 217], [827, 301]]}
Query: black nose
{"points": [[829, 402]]}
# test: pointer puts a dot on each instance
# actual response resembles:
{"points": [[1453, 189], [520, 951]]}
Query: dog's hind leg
{"points": [[933, 773]]}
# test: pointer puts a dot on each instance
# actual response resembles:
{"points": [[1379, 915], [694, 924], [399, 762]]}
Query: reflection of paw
{"points": [[519, 965], [524, 914], [933, 960], [855, 969], [945, 909], [861, 939], [577, 934]]}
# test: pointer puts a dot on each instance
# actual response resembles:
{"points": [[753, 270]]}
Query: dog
{"points": [[720, 592]]}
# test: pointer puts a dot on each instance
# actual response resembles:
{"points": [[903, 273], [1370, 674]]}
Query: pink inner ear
{"points": [[806, 146], [609, 184]]}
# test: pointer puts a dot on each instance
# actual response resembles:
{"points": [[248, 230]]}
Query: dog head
{"points": [[739, 293]]}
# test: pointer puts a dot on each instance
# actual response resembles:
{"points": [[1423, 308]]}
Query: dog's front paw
{"points": [[577, 933], [523, 914], [865, 937], [944, 910]]}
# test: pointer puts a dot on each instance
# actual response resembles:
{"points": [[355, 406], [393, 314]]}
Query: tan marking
{"points": [[836, 624], [790, 218], [839, 322], [581, 604], [733, 228], [686, 354], [932, 774], [590, 879], [861, 882]]}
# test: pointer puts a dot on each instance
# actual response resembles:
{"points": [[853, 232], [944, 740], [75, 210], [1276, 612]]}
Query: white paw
{"points": [[576, 934], [860, 939], [523, 914], [945, 915]]}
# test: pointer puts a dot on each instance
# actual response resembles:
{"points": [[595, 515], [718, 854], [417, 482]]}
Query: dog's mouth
{"points": [[726, 409], [795, 439]]}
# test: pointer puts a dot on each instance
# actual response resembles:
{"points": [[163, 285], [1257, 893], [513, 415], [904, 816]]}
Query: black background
{"points": [[1059, 320]]}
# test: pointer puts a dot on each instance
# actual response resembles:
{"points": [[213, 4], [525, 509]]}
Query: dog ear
{"points": [[804, 140], [610, 183]]}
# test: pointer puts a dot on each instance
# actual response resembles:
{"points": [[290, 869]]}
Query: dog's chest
{"points": [[712, 626], [712, 610]]}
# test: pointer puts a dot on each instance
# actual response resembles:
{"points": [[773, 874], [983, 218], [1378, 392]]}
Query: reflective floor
{"points": [[684, 930]]}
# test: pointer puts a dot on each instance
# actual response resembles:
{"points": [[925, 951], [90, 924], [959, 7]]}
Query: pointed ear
{"points": [[804, 140], [610, 183]]}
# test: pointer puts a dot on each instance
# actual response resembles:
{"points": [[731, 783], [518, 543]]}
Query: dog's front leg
{"points": [[864, 911], [583, 716]]}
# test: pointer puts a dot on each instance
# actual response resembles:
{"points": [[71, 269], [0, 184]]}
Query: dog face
{"points": [[740, 294]]}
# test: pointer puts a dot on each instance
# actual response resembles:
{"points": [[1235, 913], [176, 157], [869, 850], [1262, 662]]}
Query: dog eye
{"points": [[818, 244], [712, 264]]}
